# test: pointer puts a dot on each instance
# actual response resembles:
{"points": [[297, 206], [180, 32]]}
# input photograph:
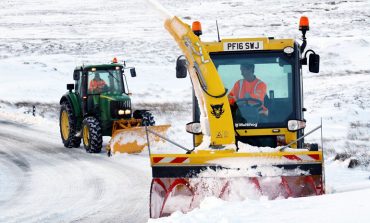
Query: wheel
{"points": [[92, 135], [314, 147], [68, 126], [148, 119]]}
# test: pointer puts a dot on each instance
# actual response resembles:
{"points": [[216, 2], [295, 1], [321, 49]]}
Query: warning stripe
{"points": [[291, 157], [310, 157], [302, 157], [180, 160], [315, 156], [171, 160]]}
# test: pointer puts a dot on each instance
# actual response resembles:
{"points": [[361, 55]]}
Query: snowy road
{"points": [[42, 41], [41, 181]]}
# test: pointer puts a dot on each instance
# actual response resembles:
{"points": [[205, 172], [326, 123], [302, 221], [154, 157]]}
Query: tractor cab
{"points": [[105, 81], [102, 88], [102, 79]]}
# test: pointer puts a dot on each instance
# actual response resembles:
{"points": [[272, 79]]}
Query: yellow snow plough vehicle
{"points": [[242, 143]]}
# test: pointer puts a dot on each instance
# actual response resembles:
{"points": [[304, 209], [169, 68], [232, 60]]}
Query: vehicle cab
{"points": [[277, 64], [101, 90]]}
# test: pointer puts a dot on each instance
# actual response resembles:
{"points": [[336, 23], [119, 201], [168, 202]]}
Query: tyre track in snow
{"points": [[41, 181]]}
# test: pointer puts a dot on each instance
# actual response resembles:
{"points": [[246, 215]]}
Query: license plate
{"points": [[243, 46]]}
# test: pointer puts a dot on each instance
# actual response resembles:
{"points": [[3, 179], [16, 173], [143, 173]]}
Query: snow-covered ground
{"points": [[42, 41]]}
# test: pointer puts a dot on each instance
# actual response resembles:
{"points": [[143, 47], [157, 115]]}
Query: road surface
{"points": [[41, 181]]}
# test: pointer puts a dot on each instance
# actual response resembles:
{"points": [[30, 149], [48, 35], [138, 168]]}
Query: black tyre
{"points": [[314, 147], [68, 126], [148, 119], [92, 135]]}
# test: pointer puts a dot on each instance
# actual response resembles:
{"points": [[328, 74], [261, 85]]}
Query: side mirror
{"points": [[181, 67], [133, 72], [70, 87], [194, 128], [314, 63], [76, 75]]}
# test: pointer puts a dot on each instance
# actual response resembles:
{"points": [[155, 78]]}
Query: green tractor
{"points": [[98, 103]]}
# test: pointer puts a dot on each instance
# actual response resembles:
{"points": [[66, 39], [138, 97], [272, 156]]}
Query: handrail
{"points": [[189, 151], [164, 138], [313, 130]]}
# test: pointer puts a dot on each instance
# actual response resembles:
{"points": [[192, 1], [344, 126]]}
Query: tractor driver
{"points": [[249, 88], [97, 85]]}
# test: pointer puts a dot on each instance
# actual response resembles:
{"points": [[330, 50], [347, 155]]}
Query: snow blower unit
{"points": [[100, 105], [245, 138]]}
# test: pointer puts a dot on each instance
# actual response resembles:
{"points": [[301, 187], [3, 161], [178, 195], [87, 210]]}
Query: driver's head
{"points": [[247, 70], [97, 76]]}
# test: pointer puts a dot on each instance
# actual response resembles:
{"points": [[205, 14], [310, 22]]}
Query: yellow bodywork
{"points": [[203, 72], [289, 136], [208, 157], [181, 181], [190, 177], [268, 44], [128, 136]]}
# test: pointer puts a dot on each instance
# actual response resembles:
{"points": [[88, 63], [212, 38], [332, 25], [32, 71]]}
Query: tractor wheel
{"points": [[148, 119], [92, 135], [68, 126]]}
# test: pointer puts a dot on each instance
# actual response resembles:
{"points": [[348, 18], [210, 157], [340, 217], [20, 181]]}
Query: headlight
{"points": [[121, 112], [127, 111], [288, 50], [294, 125]]}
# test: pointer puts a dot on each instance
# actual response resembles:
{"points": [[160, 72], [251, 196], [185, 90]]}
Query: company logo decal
{"points": [[217, 110]]}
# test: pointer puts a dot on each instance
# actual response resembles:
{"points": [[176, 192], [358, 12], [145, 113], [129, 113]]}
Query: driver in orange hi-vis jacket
{"points": [[97, 85], [249, 87]]}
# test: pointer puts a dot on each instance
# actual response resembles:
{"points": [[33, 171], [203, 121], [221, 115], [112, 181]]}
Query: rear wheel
{"points": [[68, 126], [92, 135]]}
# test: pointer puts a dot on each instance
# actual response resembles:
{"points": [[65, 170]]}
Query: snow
{"points": [[42, 42], [44, 182], [346, 207]]}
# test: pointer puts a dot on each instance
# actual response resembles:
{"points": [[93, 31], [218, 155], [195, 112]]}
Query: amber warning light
{"points": [[115, 60], [304, 24], [197, 28]]}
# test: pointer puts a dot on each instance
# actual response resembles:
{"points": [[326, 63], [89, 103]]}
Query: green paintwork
{"points": [[101, 101], [75, 100], [105, 115]]}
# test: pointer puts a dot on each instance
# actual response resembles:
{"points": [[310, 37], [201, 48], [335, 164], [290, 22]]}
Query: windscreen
{"points": [[260, 87], [105, 81]]}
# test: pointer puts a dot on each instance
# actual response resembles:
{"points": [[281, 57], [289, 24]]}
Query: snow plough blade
{"points": [[181, 181], [130, 138]]}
